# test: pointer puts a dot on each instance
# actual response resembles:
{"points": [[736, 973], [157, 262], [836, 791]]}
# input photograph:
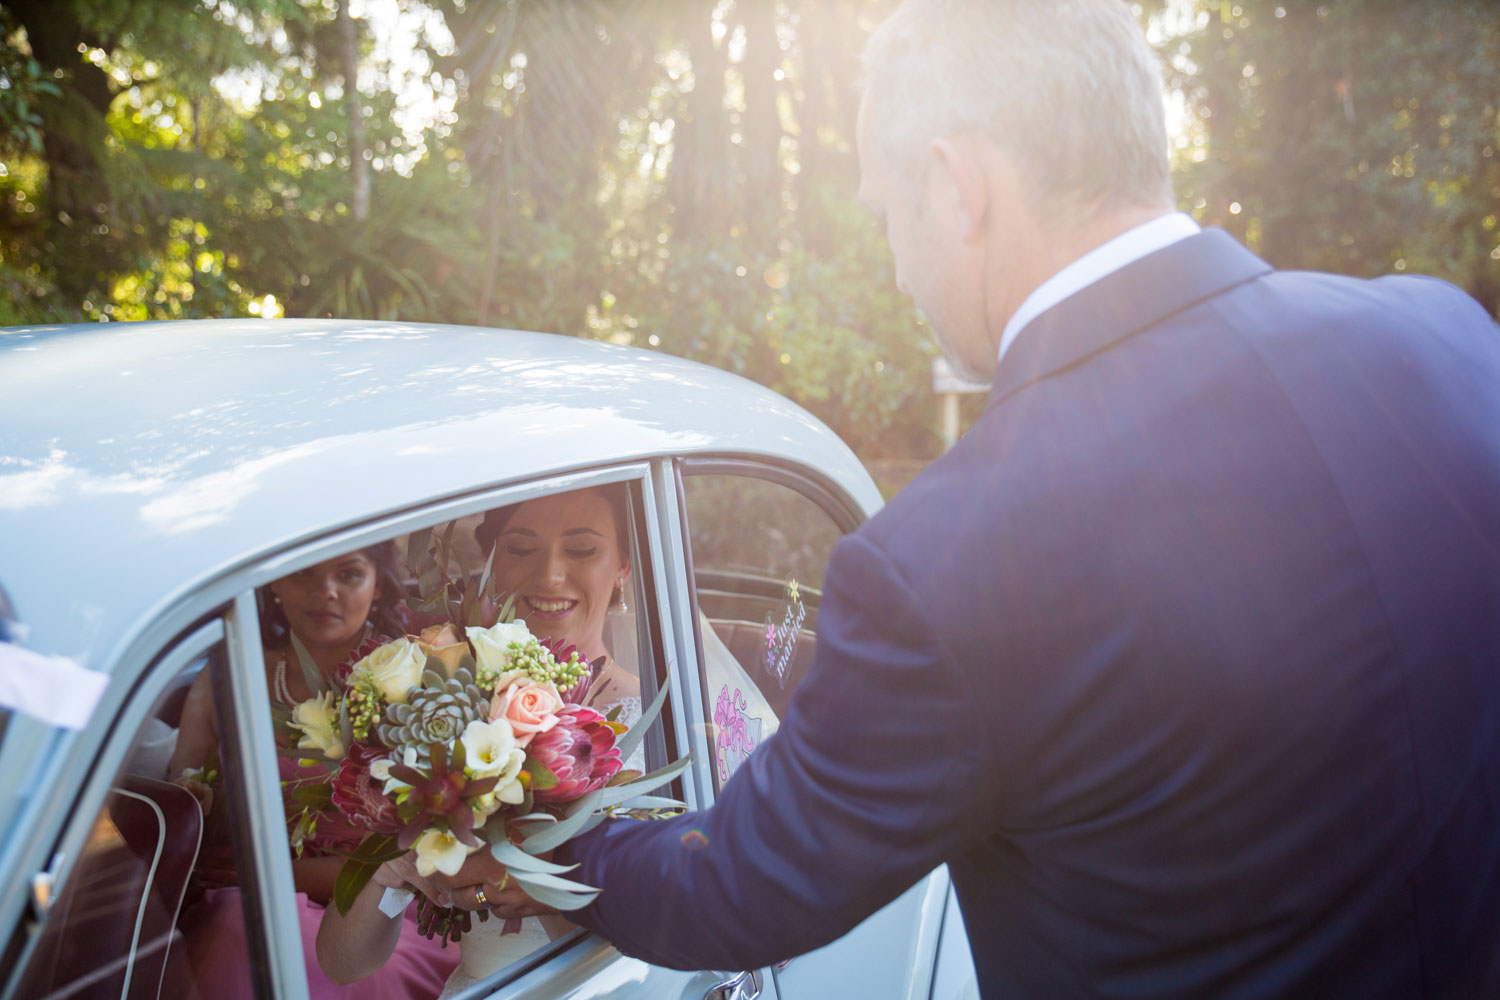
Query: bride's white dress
{"points": [[484, 951]]}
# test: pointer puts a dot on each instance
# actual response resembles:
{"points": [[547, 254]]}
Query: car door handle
{"points": [[740, 986]]}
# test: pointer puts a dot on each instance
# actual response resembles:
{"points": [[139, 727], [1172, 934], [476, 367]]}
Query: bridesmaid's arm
{"points": [[315, 876], [355, 945]]}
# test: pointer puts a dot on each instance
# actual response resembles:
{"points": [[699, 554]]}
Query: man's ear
{"points": [[959, 168]]}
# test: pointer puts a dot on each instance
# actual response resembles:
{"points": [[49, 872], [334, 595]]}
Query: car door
{"points": [[758, 538], [111, 870]]}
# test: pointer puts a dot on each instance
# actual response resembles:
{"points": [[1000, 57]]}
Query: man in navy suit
{"points": [[1186, 659]]}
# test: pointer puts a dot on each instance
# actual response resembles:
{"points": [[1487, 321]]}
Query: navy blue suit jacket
{"points": [[1186, 659]]}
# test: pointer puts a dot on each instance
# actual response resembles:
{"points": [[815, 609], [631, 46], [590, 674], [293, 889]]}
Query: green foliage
{"points": [[1360, 137], [22, 85], [673, 174]]}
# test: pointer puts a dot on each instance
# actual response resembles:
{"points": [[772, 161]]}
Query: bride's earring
{"points": [[620, 583]]}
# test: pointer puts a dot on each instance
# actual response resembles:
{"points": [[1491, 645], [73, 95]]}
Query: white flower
{"points": [[380, 770], [395, 668], [318, 720], [492, 648], [439, 852], [491, 751]]}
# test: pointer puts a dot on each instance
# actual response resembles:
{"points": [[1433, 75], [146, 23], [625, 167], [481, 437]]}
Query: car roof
{"points": [[138, 460]]}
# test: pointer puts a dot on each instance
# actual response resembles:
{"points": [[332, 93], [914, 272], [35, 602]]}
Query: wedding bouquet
{"points": [[442, 744]]}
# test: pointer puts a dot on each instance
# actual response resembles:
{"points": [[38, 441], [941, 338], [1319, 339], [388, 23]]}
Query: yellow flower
{"points": [[318, 721], [439, 852]]}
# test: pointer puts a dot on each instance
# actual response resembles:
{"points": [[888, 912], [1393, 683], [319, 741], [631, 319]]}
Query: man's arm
{"points": [[878, 774]]}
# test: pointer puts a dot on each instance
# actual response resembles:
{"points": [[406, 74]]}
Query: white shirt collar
{"points": [[1103, 260]]}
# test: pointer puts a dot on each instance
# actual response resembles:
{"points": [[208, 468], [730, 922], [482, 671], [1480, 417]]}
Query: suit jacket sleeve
{"points": [[877, 775]]}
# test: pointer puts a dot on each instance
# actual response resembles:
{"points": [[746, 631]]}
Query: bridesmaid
{"points": [[339, 610]]}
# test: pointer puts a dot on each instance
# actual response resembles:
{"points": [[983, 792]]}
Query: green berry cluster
{"points": [[362, 702], [538, 663]]}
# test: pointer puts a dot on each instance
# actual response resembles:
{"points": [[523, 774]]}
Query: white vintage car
{"points": [[153, 477]]}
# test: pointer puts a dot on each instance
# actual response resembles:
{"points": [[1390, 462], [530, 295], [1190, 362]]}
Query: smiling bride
{"points": [[564, 561]]}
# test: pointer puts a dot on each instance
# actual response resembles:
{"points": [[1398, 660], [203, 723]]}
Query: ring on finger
{"points": [[480, 897]]}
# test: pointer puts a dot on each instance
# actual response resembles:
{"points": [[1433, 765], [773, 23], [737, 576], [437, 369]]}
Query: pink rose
{"points": [[529, 707]]}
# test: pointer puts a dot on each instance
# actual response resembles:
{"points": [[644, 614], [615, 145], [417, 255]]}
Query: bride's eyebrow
{"points": [[582, 531], [518, 531]]}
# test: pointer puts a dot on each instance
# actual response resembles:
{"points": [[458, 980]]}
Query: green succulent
{"points": [[436, 712]]}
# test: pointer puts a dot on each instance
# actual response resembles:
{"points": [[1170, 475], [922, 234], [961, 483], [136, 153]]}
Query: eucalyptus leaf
{"points": [[310, 672], [656, 802], [616, 794], [507, 610], [632, 739], [416, 546], [517, 860], [537, 816], [555, 836], [556, 898], [543, 879]]}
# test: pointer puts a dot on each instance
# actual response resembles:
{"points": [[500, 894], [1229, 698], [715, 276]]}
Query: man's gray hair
{"points": [[1069, 91]]}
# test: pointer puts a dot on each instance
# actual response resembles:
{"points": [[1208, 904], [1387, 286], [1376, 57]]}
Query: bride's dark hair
{"points": [[387, 613]]}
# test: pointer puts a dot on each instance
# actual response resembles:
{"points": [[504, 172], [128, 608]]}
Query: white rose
{"points": [[318, 720], [492, 648], [395, 668], [439, 852]]}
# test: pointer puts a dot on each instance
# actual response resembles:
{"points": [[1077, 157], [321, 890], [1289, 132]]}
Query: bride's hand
{"points": [[401, 873], [505, 899], [482, 884]]}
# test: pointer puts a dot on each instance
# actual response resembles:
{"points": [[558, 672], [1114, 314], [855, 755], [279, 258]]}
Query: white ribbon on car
{"points": [[53, 689]]}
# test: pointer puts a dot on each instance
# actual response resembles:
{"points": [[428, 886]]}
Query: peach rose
{"points": [[444, 642], [529, 707]]}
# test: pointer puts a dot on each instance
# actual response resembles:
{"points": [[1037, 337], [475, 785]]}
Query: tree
{"points": [[1357, 136]]}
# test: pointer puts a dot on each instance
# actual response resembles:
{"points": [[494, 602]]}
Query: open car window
{"points": [[759, 550]]}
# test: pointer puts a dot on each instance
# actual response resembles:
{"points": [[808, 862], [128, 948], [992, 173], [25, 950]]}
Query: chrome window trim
{"points": [[698, 786], [253, 779], [310, 551]]}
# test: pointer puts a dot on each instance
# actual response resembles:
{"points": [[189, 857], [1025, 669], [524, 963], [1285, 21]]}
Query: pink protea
{"points": [[580, 750], [358, 796]]}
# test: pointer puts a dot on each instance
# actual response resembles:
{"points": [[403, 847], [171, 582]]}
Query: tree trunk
{"points": [[698, 186], [359, 169], [78, 191], [762, 198]]}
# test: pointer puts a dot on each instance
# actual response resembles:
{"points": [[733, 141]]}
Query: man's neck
{"points": [[1047, 248], [1097, 229]]}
